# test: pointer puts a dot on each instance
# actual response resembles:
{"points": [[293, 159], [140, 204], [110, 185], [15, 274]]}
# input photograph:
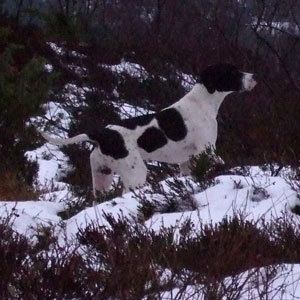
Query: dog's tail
{"points": [[60, 141]]}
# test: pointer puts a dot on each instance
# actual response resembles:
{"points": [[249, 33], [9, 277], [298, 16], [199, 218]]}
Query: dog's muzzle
{"points": [[249, 81]]}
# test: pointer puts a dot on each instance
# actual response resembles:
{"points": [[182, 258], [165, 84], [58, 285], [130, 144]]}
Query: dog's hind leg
{"points": [[102, 174]]}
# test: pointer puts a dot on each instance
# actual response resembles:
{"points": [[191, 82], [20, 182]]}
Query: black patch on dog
{"points": [[132, 123], [222, 78], [105, 171], [172, 124], [152, 139], [110, 142]]}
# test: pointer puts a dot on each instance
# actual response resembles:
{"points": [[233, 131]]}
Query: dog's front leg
{"points": [[133, 171], [102, 174]]}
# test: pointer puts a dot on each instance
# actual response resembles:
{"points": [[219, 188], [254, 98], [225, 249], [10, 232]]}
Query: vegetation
{"points": [[126, 260], [24, 86]]}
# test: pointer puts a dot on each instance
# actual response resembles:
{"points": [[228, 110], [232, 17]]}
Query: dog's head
{"points": [[227, 78]]}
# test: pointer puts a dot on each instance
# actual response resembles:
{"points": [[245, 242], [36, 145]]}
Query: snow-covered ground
{"points": [[284, 285], [256, 196]]}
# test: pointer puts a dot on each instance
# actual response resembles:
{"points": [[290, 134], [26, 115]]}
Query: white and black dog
{"points": [[172, 135]]}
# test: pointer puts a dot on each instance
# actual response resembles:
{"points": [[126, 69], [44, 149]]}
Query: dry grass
{"points": [[13, 189]]}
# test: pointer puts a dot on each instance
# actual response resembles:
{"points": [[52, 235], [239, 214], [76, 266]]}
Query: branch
{"points": [[280, 59]]}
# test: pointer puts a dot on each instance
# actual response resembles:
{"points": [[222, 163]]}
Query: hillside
{"points": [[228, 231]]}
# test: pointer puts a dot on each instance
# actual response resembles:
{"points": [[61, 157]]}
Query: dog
{"points": [[171, 135]]}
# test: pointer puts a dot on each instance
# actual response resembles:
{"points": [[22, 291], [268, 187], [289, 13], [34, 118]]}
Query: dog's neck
{"points": [[200, 94]]}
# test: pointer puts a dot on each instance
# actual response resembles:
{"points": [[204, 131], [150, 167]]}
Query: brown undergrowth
{"points": [[13, 188], [126, 260]]}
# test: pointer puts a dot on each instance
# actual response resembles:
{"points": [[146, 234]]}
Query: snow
{"points": [[58, 50], [29, 216], [283, 284], [50, 168], [48, 68], [132, 69], [274, 28], [255, 197], [226, 200], [125, 207], [127, 110], [187, 80], [232, 195]]}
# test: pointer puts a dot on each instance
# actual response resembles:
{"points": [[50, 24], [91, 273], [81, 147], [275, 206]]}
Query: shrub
{"points": [[24, 85], [127, 260], [205, 167], [172, 195], [14, 188]]}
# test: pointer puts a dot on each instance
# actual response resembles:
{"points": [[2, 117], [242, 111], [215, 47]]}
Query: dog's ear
{"points": [[209, 78], [210, 86]]}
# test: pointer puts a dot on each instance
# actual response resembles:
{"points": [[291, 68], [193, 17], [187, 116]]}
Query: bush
{"points": [[24, 85], [127, 260], [172, 195], [205, 167], [13, 188]]}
